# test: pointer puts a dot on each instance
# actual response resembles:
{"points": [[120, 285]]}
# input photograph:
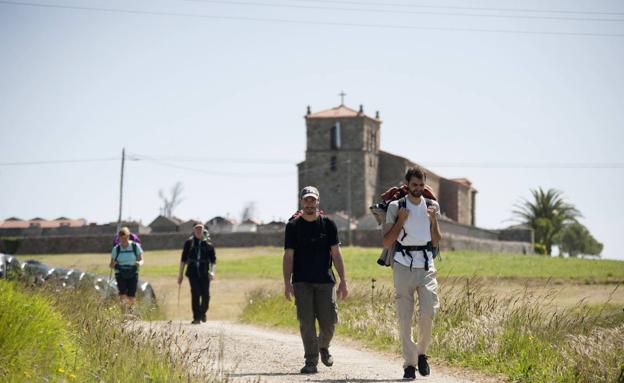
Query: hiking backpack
{"points": [[380, 210]]}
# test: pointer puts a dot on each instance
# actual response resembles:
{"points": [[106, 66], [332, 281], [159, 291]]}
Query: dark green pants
{"points": [[315, 301]]}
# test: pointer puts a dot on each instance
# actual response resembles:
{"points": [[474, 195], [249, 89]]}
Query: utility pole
{"points": [[123, 161], [349, 199]]}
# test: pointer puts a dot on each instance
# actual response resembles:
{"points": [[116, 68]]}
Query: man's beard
{"points": [[416, 193], [309, 210]]}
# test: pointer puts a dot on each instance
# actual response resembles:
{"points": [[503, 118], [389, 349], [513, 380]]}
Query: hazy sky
{"points": [[226, 83]]}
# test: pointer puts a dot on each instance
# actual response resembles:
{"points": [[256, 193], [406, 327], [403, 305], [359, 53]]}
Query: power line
{"points": [[308, 22], [404, 12], [527, 165], [52, 162], [259, 161], [533, 10]]}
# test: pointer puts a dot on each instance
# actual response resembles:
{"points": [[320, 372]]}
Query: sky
{"points": [[511, 95]]}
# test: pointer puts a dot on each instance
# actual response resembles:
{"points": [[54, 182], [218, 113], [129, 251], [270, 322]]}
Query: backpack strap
{"points": [[134, 250], [117, 250], [402, 204]]}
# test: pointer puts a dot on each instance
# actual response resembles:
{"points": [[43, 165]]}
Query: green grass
{"points": [[361, 265], [266, 262], [524, 338], [35, 341], [64, 335]]}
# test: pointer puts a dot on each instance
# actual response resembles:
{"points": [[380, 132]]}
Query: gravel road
{"points": [[250, 353]]}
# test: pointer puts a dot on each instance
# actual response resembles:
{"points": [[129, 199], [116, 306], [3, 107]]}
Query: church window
{"points": [[335, 136], [332, 163]]}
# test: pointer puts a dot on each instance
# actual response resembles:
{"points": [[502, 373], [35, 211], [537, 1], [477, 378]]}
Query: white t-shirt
{"points": [[416, 232]]}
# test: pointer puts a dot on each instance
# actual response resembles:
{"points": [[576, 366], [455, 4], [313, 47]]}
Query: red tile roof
{"points": [[337, 112], [19, 224]]}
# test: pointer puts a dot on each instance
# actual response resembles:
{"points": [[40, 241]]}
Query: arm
{"points": [[139, 261], [339, 264], [436, 234], [392, 230], [212, 267], [183, 262], [288, 270]]}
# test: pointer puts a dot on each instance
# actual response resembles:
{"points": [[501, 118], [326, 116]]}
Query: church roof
{"points": [[338, 112], [464, 181]]}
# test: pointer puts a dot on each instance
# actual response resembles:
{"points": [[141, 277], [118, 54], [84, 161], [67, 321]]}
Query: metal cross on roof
{"points": [[342, 94]]}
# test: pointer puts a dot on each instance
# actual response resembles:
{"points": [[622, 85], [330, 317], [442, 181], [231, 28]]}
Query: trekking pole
{"points": [[179, 285], [110, 277]]}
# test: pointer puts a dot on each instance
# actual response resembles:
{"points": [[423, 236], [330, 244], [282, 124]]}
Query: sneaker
{"points": [[409, 373], [423, 366], [326, 357], [309, 369], [195, 321]]}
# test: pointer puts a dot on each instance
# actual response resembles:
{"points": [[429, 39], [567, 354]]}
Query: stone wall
{"points": [[174, 241]]}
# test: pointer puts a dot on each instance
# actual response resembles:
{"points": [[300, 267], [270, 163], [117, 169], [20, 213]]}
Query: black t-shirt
{"points": [[311, 242], [198, 255]]}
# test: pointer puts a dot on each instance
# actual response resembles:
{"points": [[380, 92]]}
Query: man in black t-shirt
{"points": [[199, 258], [311, 247]]}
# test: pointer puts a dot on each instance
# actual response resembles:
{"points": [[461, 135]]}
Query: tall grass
{"points": [[526, 337], [56, 334]]}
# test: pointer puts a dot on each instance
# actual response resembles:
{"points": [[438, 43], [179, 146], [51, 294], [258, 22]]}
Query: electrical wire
{"points": [[311, 22]]}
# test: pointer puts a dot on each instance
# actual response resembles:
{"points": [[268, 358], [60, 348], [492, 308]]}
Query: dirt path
{"points": [[252, 353]]}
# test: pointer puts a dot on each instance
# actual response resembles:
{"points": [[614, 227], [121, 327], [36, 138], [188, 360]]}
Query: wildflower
{"points": [[61, 370], [72, 377]]}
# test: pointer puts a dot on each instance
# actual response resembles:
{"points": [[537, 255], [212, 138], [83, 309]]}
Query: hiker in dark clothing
{"points": [[311, 247], [199, 258]]}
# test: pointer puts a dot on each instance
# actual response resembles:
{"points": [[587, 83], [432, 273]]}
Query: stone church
{"points": [[344, 161]]}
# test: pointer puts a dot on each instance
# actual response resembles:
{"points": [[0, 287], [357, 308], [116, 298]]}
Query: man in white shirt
{"points": [[412, 226]]}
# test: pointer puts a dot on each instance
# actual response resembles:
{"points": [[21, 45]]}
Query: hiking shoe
{"points": [[195, 321], [423, 366], [309, 369], [409, 373], [203, 319], [326, 357]]}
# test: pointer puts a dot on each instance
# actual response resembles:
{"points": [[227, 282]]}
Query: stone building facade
{"points": [[344, 161]]}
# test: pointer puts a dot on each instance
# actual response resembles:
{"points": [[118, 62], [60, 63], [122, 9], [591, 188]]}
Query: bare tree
{"points": [[173, 201], [249, 211]]}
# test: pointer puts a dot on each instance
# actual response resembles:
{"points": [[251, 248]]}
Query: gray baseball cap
{"points": [[309, 191]]}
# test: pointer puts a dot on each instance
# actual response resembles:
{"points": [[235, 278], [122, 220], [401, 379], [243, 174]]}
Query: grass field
{"points": [[525, 316], [242, 270]]}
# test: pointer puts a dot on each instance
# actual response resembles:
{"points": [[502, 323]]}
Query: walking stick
{"points": [[110, 277], [179, 285]]}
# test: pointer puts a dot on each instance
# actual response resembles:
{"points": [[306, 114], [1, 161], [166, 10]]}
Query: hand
{"points": [[432, 212], [137, 264], [179, 279], [211, 275], [403, 214], [288, 291], [342, 290]]}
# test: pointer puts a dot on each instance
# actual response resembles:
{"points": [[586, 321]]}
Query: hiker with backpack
{"points": [[311, 247], [199, 259], [126, 258], [412, 234]]}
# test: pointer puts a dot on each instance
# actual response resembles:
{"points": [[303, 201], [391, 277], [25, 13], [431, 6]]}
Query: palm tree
{"points": [[547, 215]]}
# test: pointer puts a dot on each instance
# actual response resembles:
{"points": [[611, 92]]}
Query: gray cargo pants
{"points": [[315, 301], [424, 283]]}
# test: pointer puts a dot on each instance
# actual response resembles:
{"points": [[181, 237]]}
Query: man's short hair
{"points": [[415, 171]]}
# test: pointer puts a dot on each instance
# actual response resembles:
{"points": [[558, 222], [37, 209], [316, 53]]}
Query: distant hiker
{"points": [[412, 228], [198, 256], [126, 258], [311, 246]]}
